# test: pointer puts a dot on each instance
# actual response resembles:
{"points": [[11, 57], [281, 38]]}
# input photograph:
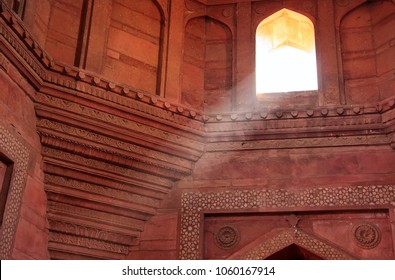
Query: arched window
{"points": [[207, 65], [285, 53]]}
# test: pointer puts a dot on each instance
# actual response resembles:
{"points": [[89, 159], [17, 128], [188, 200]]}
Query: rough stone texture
{"points": [[135, 133]]}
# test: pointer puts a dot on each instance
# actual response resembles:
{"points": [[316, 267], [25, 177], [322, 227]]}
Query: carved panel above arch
{"points": [[258, 200]]}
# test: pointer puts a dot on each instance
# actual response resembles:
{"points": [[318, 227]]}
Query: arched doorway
{"points": [[294, 252]]}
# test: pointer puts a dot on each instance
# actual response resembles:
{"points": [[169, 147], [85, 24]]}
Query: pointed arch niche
{"points": [[285, 57], [207, 65], [134, 46], [368, 52]]}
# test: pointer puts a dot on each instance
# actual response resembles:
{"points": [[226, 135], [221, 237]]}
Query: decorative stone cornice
{"points": [[72, 158], [298, 125], [99, 118], [336, 141], [113, 146], [308, 114], [89, 232], [88, 243], [101, 190], [98, 216]]}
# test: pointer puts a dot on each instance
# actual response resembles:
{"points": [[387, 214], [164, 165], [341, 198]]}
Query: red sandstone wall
{"points": [[278, 169], [217, 175], [37, 15], [300, 168], [294, 168], [383, 21], [207, 66], [193, 64], [158, 241], [218, 67], [205, 78], [63, 30], [134, 43], [18, 117], [132, 56], [129, 34], [368, 52]]}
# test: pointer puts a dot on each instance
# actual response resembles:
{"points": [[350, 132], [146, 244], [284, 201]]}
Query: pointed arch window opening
{"points": [[285, 57]]}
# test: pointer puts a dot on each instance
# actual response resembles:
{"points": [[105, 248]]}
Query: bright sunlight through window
{"points": [[285, 54]]}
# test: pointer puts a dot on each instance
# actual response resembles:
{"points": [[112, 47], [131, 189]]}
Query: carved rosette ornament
{"points": [[227, 237], [367, 235], [228, 12]]}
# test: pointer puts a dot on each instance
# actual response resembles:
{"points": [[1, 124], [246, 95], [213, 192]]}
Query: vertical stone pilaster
{"points": [[175, 51], [327, 57], [245, 74], [97, 35]]}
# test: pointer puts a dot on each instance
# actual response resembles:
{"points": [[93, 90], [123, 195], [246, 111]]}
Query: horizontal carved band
{"points": [[300, 143]]}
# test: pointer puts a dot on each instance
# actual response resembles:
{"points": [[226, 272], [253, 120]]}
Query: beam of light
{"points": [[286, 69]]}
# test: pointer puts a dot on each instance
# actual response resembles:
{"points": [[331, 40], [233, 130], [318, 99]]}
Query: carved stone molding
{"points": [[4, 63], [88, 243], [120, 193], [149, 105], [10, 33], [97, 216], [300, 143], [125, 147], [16, 151], [371, 124], [89, 232], [127, 172], [62, 145], [106, 117], [319, 116], [193, 204]]}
